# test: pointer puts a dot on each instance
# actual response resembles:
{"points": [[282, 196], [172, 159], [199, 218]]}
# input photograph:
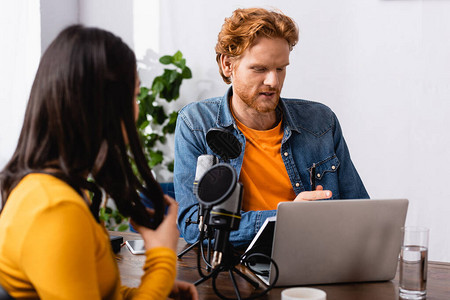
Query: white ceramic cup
{"points": [[300, 293]]}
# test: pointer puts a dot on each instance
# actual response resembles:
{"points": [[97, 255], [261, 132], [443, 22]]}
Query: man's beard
{"points": [[251, 100]]}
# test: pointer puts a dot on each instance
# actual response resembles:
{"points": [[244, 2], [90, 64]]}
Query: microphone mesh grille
{"points": [[216, 184]]}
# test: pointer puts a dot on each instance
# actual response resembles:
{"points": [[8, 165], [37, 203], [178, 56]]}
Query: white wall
{"points": [[19, 57], [381, 65], [137, 22], [27, 27], [55, 16]]}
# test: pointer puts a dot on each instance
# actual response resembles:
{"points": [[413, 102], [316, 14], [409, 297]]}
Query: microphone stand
{"points": [[209, 235], [180, 255], [228, 264]]}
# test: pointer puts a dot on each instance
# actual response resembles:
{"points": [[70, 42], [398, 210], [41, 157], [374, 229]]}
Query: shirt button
{"points": [[297, 184], [318, 175], [286, 154], [333, 167]]}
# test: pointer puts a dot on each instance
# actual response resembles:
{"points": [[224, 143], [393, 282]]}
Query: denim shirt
{"points": [[312, 135]]}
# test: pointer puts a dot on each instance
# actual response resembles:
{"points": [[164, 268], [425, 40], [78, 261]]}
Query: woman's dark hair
{"points": [[79, 118]]}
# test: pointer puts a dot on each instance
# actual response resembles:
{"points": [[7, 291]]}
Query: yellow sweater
{"points": [[52, 248]]}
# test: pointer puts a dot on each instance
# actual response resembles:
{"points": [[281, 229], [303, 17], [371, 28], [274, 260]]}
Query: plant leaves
{"points": [[151, 140], [123, 227], [166, 60], [170, 166], [177, 56], [158, 84], [171, 124], [174, 92], [173, 76], [156, 157], [103, 215], [165, 87], [159, 115], [186, 73], [143, 125], [118, 218], [143, 92], [173, 118], [180, 64]]}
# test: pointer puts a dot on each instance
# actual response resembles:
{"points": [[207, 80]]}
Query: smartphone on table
{"points": [[136, 246]]}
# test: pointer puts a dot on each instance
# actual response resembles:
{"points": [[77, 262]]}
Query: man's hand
{"points": [[183, 290], [318, 194]]}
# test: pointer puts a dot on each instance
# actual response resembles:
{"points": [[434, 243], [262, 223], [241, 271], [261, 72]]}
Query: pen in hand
{"points": [[317, 192], [313, 177]]}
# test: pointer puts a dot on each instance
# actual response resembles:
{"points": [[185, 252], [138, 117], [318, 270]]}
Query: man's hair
{"points": [[245, 25], [80, 105]]}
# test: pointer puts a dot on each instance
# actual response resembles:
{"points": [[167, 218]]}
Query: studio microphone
{"points": [[219, 191], [204, 163], [225, 217]]}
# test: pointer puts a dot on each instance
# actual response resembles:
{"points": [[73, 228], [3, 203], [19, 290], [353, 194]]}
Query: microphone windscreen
{"points": [[223, 143], [216, 184]]}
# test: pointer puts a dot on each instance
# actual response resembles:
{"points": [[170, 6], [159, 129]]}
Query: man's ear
{"points": [[226, 63]]}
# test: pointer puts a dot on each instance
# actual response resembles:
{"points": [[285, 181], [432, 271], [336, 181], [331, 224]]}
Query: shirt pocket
{"points": [[327, 167], [326, 175]]}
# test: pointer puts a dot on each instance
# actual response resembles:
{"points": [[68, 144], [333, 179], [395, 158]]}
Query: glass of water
{"points": [[414, 263]]}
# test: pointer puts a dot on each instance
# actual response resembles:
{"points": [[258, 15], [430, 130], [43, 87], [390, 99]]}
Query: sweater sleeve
{"points": [[159, 276], [63, 262], [58, 254]]}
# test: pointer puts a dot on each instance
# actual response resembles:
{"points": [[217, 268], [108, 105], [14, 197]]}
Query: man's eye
{"points": [[260, 70]]}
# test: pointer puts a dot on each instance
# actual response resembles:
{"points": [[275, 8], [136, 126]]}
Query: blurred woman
{"points": [[78, 129]]}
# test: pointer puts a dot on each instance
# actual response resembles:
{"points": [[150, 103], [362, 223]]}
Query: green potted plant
{"points": [[154, 123]]}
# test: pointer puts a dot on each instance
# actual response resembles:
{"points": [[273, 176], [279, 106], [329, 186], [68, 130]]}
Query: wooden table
{"points": [[130, 266]]}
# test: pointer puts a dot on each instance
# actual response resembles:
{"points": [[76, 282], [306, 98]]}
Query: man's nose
{"points": [[271, 79]]}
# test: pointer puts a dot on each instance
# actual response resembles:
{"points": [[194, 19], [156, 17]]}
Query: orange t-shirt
{"points": [[263, 174]]}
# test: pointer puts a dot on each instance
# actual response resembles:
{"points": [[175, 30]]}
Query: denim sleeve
{"points": [[251, 222], [188, 147], [190, 144], [350, 184]]}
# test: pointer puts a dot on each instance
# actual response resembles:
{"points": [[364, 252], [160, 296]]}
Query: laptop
{"points": [[332, 241]]}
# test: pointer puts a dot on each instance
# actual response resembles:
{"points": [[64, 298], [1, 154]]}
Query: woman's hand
{"points": [[183, 290], [167, 234], [319, 193]]}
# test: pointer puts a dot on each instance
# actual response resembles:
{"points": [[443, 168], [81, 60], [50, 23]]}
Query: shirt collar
{"points": [[289, 119], [224, 117]]}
